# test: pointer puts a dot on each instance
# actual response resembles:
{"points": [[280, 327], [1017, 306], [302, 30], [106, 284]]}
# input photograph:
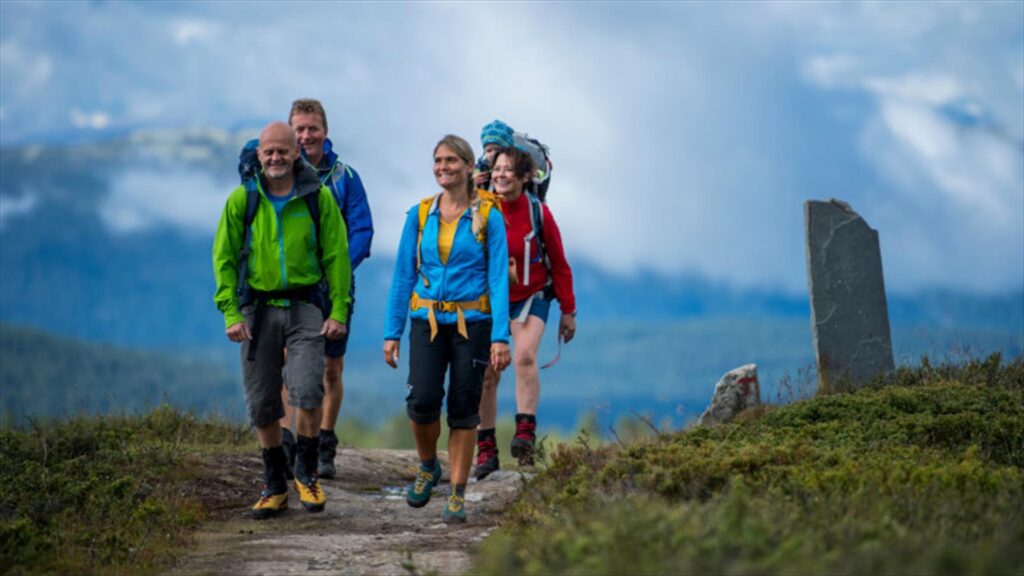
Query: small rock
{"points": [[737, 390]]}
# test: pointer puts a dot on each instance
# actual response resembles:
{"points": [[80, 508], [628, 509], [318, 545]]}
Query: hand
{"points": [[500, 357], [567, 327], [238, 332], [391, 352], [480, 178], [332, 329]]}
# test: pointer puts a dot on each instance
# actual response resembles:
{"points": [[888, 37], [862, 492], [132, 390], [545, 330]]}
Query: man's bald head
{"points": [[278, 151], [278, 132]]}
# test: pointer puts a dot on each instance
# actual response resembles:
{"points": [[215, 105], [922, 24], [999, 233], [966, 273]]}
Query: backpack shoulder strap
{"points": [[252, 202], [424, 210], [313, 205], [537, 228]]}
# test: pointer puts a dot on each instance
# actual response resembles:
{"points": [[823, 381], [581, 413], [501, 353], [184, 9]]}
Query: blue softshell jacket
{"points": [[473, 269], [347, 188]]}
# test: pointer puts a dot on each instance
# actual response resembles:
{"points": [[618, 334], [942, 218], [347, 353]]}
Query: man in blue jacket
{"points": [[308, 119]]}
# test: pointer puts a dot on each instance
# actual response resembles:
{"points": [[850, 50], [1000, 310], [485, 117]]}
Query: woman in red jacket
{"points": [[537, 276]]}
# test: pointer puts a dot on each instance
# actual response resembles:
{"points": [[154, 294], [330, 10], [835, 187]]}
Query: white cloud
{"points": [[191, 31], [24, 71], [832, 71], [93, 120], [11, 207], [932, 89], [675, 146], [142, 200]]}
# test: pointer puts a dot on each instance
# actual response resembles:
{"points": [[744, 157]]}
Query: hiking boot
{"points": [[310, 494], [419, 491], [486, 457], [270, 505], [455, 510], [274, 497], [523, 441], [325, 455], [288, 443]]}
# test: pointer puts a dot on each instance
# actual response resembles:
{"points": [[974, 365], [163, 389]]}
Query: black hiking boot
{"points": [[274, 498], [307, 484], [288, 443], [325, 456]]}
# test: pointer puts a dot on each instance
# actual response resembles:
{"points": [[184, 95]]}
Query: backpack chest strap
{"points": [[481, 304]]}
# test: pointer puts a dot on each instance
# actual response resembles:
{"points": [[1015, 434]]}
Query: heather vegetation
{"points": [[920, 473], [105, 494]]}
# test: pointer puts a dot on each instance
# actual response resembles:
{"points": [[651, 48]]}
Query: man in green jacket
{"points": [[275, 303]]}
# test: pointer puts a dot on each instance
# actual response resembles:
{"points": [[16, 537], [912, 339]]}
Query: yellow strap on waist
{"points": [[482, 304]]}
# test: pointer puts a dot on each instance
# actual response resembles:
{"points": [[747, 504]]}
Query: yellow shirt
{"points": [[445, 237]]}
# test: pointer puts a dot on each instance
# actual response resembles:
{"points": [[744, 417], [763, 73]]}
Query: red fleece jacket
{"points": [[517, 228]]}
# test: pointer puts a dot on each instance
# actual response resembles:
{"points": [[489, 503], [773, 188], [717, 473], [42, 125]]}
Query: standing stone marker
{"points": [[849, 315]]}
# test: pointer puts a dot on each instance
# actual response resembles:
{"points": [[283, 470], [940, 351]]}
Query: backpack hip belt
{"points": [[482, 304]]}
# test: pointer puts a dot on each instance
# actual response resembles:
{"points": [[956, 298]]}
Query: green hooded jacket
{"points": [[283, 252]]}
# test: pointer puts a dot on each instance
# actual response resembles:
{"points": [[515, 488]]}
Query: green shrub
{"points": [[97, 494], [918, 473]]}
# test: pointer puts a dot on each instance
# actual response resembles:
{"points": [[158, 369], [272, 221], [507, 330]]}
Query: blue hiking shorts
{"points": [[536, 305]]}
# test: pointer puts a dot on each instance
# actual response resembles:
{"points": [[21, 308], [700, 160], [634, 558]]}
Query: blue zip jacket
{"points": [[347, 188], [469, 274]]}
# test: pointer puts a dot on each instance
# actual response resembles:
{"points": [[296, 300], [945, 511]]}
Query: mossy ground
{"points": [[918, 473], [105, 494]]}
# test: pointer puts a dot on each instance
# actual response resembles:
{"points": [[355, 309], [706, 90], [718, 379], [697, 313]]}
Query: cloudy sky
{"points": [[685, 136]]}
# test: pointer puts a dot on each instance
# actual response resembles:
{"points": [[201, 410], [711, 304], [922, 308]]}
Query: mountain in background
{"points": [[84, 255]]}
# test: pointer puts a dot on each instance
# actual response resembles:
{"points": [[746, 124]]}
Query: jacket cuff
{"points": [[232, 317]]}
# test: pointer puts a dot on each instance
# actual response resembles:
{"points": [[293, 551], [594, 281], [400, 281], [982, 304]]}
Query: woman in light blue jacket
{"points": [[451, 278]]}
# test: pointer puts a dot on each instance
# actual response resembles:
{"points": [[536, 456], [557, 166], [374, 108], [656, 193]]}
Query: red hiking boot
{"points": [[486, 457], [523, 441]]}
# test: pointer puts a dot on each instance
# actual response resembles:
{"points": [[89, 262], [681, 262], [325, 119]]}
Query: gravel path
{"points": [[367, 528]]}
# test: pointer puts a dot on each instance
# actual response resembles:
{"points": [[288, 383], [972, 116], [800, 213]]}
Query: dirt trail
{"points": [[367, 528]]}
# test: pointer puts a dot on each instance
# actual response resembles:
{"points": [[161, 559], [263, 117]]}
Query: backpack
{"points": [[539, 152], [483, 205], [248, 172]]}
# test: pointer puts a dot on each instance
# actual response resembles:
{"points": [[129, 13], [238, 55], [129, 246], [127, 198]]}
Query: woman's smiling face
{"points": [[450, 171]]}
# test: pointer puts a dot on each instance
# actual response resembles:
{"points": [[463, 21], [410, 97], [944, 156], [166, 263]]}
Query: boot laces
{"points": [[486, 449], [422, 479], [525, 430]]}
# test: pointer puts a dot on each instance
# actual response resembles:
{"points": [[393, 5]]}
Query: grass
{"points": [[104, 494], [919, 473]]}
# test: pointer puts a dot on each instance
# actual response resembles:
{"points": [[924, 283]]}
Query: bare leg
{"points": [[334, 392], [269, 435], [308, 423], [288, 420], [489, 400], [461, 442], [526, 337], [426, 436]]}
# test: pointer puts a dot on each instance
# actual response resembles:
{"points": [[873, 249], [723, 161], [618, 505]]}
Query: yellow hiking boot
{"points": [[270, 505], [311, 495]]}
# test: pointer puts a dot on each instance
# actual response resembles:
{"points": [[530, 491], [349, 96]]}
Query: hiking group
{"points": [[478, 262]]}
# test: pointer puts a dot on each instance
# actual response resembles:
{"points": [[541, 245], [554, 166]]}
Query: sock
{"points": [[532, 418], [306, 449], [429, 464], [484, 434], [274, 464], [460, 490]]}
